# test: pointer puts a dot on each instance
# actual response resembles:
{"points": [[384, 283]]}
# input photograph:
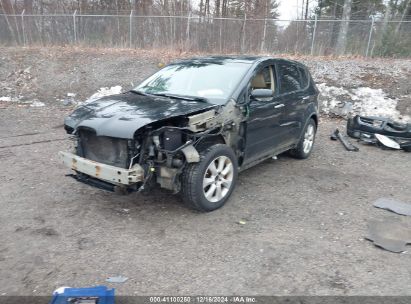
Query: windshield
{"points": [[213, 81]]}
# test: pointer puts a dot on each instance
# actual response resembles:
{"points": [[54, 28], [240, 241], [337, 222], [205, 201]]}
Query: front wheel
{"points": [[207, 185], [306, 143]]}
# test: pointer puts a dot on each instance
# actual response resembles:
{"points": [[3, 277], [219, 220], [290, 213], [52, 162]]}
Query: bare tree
{"points": [[404, 13], [8, 9], [342, 36]]}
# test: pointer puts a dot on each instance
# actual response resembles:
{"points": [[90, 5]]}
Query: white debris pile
{"points": [[363, 101], [105, 92]]}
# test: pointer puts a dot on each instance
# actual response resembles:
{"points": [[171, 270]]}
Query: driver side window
{"points": [[264, 79]]}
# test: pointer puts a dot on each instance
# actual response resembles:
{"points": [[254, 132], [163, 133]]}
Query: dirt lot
{"points": [[305, 220]]}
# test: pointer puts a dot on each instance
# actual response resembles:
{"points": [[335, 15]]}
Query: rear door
{"points": [[294, 98]]}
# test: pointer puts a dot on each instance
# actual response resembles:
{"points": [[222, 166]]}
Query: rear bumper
{"points": [[107, 173]]}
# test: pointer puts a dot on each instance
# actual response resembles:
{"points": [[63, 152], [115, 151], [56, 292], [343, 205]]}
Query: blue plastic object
{"points": [[88, 295]]}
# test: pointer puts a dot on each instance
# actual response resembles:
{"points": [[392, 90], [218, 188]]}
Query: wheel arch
{"points": [[207, 142]]}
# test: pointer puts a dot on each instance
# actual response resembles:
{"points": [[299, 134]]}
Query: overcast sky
{"points": [[288, 8]]}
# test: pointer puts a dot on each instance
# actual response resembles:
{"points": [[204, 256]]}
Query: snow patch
{"points": [[362, 101], [8, 99], [104, 92], [32, 103]]}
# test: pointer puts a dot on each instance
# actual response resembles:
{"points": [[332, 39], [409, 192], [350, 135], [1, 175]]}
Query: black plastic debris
{"points": [[391, 234], [377, 125], [336, 135], [393, 206], [380, 131], [406, 146]]}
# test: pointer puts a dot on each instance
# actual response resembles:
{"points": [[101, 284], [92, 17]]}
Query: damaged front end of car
{"points": [[156, 153]]}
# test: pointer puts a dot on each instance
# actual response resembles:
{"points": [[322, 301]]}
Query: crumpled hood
{"points": [[123, 114]]}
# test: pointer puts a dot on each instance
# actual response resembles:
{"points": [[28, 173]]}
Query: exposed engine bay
{"points": [[161, 149]]}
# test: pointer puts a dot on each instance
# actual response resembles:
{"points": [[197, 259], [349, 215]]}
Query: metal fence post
{"points": [[22, 27], [131, 29], [369, 36], [74, 26], [314, 34]]}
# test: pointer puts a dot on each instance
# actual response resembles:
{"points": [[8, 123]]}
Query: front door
{"points": [[263, 132]]}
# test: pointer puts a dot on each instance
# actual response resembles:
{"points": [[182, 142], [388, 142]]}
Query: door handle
{"points": [[279, 106]]}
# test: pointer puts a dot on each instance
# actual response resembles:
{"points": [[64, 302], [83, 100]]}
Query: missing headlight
{"points": [[172, 139]]}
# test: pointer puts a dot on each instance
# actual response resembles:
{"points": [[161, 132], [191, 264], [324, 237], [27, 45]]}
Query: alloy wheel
{"points": [[218, 179]]}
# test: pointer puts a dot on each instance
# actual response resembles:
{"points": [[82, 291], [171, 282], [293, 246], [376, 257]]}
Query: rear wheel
{"points": [[306, 143], [207, 185]]}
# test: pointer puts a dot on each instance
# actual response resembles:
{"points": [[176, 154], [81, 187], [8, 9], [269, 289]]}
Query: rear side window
{"points": [[304, 77], [289, 78]]}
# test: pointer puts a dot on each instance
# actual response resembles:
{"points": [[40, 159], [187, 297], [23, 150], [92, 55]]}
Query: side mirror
{"points": [[261, 94]]}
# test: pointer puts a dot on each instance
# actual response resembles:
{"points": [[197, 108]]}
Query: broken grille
{"points": [[107, 150]]}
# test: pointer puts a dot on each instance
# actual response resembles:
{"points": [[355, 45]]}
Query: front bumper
{"points": [[110, 174]]}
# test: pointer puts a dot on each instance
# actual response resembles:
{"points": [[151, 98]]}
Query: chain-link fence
{"points": [[222, 35]]}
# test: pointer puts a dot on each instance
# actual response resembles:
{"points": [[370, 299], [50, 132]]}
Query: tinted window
{"points": [[304, 77], [289, 78]]}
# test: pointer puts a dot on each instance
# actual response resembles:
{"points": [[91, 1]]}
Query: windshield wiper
{"points": [[140, 92], [184, 97]]}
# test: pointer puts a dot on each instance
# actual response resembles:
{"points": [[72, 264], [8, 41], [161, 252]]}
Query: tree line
{"points": [[348, 36]]}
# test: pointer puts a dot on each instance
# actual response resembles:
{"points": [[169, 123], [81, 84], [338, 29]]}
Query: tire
{"points": [[202, 178], [301, 151]]}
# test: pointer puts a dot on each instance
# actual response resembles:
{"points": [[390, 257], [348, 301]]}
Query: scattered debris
{"points": [[242, 222], [70, 99], [387, 142], [89, 295], [391, 234], [336, 135], [18, 83], [406, 146], [118, 279], [380, 131], [377, 125], [393, 205]]}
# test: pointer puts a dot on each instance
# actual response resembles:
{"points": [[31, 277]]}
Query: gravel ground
{"points": [[305, 220]]}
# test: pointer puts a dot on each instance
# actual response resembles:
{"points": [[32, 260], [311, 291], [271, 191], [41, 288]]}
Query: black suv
{"points": [[193, 125]]}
